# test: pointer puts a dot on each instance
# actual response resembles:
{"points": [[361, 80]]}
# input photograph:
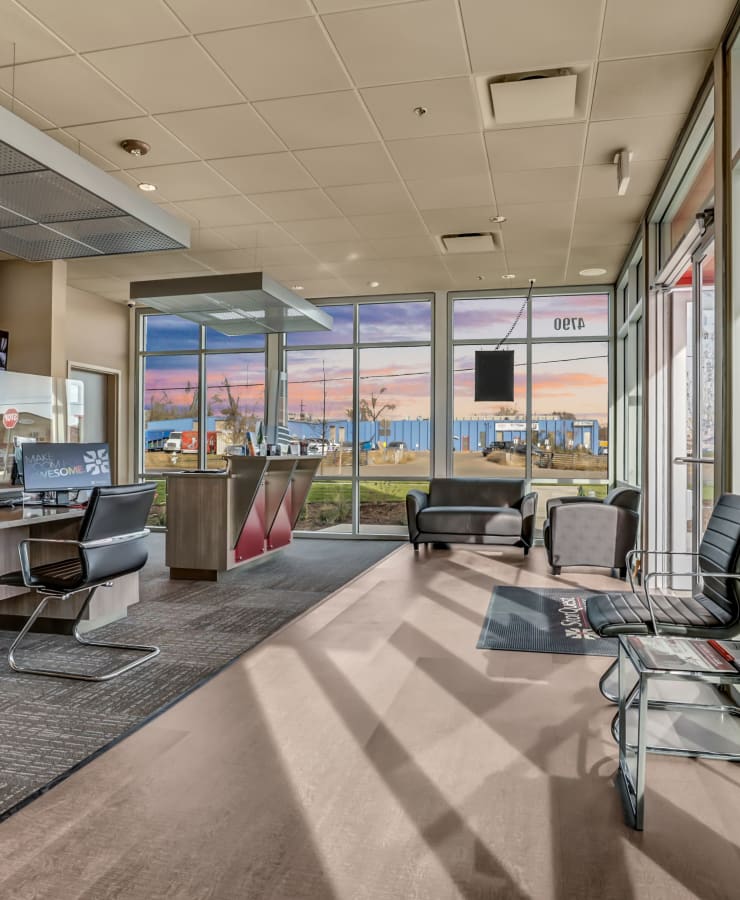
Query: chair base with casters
{"points": [[109, 545]]}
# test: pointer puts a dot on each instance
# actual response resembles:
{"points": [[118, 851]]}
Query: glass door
{"points": [[692, 302]]}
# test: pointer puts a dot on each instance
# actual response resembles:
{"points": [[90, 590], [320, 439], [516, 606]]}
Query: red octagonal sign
{"points": [[10, 418]]}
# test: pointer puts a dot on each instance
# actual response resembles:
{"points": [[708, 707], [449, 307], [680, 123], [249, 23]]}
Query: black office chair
{"points": [[714, 612], [109, 545]]}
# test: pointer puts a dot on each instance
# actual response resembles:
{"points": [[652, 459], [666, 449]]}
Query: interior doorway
{"points": [[99, 422]]}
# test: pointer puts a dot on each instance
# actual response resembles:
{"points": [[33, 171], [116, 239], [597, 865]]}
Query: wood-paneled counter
{"points": [[221, 519], [16, 604]]}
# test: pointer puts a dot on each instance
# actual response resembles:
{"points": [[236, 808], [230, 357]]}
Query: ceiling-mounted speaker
{"points": [[494, 375]]}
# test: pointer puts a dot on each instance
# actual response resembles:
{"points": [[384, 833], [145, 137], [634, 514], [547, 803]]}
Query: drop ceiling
{"points": [[285, 134]]}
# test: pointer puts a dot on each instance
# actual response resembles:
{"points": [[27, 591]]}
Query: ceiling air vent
{"points": [[534, 96], [473, 242]]}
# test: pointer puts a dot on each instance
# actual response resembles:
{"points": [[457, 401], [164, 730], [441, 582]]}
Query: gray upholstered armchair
{"points": [[585, 531]]}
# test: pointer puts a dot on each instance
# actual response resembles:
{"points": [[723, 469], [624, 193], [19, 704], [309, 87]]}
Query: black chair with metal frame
{"points": [[714, 612], [109, 545]]}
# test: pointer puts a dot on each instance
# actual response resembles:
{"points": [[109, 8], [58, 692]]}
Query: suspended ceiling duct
{"points": [[56, 205], [248, 303]]}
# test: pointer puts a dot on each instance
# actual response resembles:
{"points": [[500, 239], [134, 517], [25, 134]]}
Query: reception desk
{"points": [[222, 519], [17, 603]]}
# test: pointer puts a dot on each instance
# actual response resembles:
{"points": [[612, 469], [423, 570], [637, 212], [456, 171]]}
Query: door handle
{"points": [[692, 460]]}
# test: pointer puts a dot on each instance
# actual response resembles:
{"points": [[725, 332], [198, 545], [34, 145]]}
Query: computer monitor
{"points": [[65, 467]]}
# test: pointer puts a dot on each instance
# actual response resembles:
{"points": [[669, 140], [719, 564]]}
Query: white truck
{"points": [[173, 444]]}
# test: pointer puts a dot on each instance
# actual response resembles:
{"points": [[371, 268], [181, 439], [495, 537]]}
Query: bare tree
{"points": [[371, 410], [234, 419]]}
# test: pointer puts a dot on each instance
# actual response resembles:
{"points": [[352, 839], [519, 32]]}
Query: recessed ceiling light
{"points": [[510, 275], [297, 287], [135, 147], [373, 284], [497, 219], [145, 186], [420, 111], [480, 277], [589, 273]]}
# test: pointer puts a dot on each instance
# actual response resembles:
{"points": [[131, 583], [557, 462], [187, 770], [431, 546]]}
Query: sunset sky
{"points": [[572, 377]]}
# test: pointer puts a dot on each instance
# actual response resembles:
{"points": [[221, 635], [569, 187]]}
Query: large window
{"points": [[194, 380], [360, 397]]}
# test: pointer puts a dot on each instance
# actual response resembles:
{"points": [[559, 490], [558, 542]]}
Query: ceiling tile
{"points": [[389, 225], [82, 25], [318, 288], [543, 275], [401, 42], [281, 59], [289, 275], [445, 156], [267, 235], [327, 6], [185, 181], [518, 260], [451, 105], [68, 91], [343, 251], [607, 234], [215, 212], [431, 268], [210, 239], [446, 193], [665, 26], [105, 138], [609, 258], [618, 210], [391, 248], [77, 147], [536, 185], [647, 138], [294, 205], [601, 181], [222, 131], [102, 286], [192, 78], [223, 260], [217, 14], [9, 101], [546, 237], [370, 199], [354, 164], [25, 39], [318, 120], [294, 254], [644, 86], [518, 37], [541, 147], [469, 265], [461, 219], [264, 173], [322, 230], [151, 265]]}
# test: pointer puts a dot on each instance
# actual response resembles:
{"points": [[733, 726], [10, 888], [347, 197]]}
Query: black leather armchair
{"points": [[586, 531], [714, 612], [472, 511], [109, 545]]}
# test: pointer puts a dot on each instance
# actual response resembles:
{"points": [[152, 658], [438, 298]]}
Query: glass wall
{"points": [[629, 371], [360, 397], [555, 429], [193, 377]]}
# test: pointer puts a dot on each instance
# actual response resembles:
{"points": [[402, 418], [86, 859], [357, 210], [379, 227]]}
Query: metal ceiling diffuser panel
{"points": [[248, 303], [56, 205]]}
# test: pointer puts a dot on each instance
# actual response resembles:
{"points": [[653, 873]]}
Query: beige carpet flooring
{"points": [[370, 752]]}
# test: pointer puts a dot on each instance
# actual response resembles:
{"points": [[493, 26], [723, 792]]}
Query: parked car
{"points": [[397, 445]]}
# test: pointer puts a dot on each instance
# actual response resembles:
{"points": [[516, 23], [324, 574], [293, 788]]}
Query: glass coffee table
{"points": [[673, 696]]}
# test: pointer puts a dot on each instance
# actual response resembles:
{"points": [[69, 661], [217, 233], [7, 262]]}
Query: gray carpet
{"points": [[49, 727], [542, 620]]}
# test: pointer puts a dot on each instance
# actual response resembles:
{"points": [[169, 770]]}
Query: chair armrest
{"points": [[415, 502], [527, 506], [641, 553]]}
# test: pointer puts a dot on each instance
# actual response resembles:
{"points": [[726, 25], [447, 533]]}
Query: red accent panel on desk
{"points": [[281, 531], [252, 538]]}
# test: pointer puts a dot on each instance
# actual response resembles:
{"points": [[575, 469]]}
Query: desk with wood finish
{"points": [[221, 519], [16, 604]]}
